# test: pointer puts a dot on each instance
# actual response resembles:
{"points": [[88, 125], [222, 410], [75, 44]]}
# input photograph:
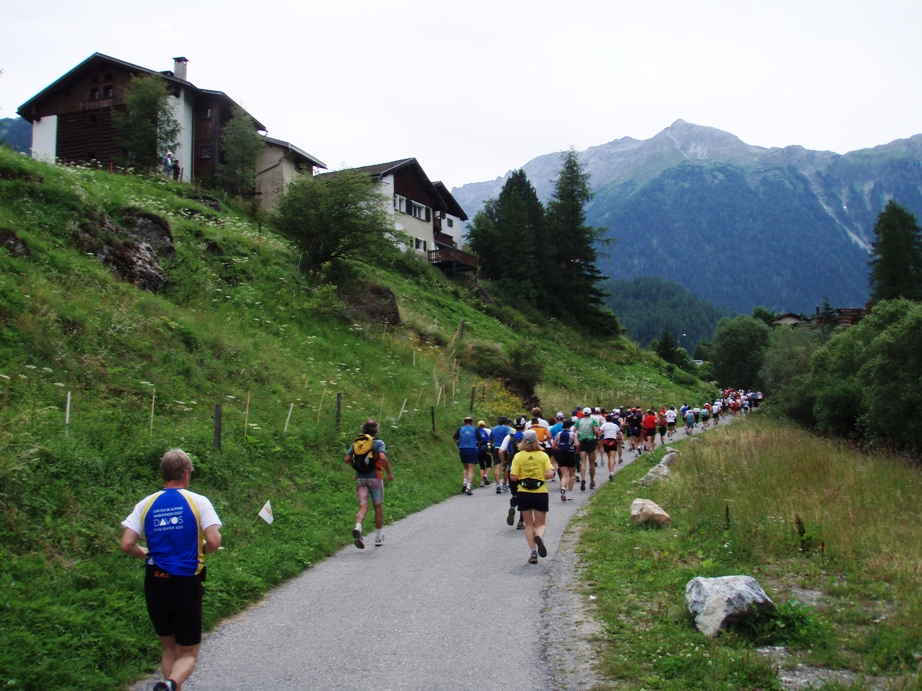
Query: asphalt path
{"points": [[449, 602]]}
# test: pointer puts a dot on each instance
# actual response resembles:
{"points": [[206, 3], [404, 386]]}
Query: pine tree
{"points": [[896, 256], [666, 347], [509, 240], [575, 279]]}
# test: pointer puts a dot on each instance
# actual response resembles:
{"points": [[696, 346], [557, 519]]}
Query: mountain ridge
{"points": [[831, 199]]}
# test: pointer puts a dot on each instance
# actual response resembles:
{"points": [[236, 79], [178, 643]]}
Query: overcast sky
{"points": [[473, 89]]}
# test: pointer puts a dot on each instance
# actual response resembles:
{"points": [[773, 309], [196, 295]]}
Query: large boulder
{"points": [[669, 458], [644, 510], [657, 473], [717, 602]]}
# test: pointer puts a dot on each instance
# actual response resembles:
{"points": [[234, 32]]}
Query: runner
{"points": [[649, 430], [610, 431], [555, 430], [484, 457], [661, 425], [565, 448], [466, 439], [671, 417], [368, 457], [497, 435], [587, 434], [508, 450], [689, 422], [531, 469]]}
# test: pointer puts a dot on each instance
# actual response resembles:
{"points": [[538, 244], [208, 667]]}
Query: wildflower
{"points": [[57, 383], [4, 376]]}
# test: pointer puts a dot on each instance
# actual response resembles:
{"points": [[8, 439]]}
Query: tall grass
{"points": [[806, 517]]}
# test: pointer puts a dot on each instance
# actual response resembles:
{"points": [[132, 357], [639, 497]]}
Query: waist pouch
{"points": [[531, 483]]}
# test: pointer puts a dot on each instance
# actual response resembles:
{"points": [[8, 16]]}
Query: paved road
{"points": [[448, 602]]}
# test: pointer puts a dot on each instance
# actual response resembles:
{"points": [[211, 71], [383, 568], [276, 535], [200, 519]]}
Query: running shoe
{"points": [[499, 489], [379, 540], [563, 495], [582, 485], [533, 559], [164, 686], [569, 497], [542, 550], [592, 485], [611, 476], [521, 525], [463, 489], [357, 535], [467, 491], [510, 517]]}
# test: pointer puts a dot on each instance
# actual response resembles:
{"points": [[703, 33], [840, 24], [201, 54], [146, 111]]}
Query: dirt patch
{"points": [[369, 302]]}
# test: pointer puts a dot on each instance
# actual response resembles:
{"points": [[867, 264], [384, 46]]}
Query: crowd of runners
{"points": [[521, 456]]}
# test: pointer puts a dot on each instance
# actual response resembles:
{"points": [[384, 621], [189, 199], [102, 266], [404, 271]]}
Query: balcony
{"points": [[451, 259]]}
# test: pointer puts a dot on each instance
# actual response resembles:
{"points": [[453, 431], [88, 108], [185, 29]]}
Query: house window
{"points": [[205, 114], [107, 92], [94, 94], [205, 152], [418, 211], [400, 204], [451, 223], [107, 77], [94, 79], [420, 244]]}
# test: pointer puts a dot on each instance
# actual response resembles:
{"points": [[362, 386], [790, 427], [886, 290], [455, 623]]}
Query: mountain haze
{"points": [[733, 223]]}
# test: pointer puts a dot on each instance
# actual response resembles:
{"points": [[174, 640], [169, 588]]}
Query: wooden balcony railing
{"points": [[446, 255]]}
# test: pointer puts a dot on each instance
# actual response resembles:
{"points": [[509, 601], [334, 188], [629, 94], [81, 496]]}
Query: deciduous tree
{"points": [[336, 216], [146, 126], [241, 144]]}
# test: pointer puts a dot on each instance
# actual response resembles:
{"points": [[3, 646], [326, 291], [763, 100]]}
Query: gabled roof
{"points": [[297, 152], [379, 170], [24, 110], [451, 204]]}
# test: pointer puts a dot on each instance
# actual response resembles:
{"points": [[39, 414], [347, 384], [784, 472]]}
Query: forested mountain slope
{"points": [[735, 224]]}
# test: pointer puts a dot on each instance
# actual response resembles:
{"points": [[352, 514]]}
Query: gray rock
{"points": [[644, 510], [717, 602], [669, 458], [657, 473]]}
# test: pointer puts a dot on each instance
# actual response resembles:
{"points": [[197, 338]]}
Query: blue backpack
{"points": [[565, 441]]}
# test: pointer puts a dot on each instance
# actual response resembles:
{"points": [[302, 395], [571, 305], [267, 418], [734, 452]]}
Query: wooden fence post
{"points": [[217, 426], [432, 412], [473, 394], [339, 410]]}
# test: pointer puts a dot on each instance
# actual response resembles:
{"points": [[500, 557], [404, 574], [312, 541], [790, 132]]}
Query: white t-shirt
{"points": [[671, 416], [610, 430]]}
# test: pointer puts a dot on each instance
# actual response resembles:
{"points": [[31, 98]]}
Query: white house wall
{"points": [[45, 138], [184, 112]]}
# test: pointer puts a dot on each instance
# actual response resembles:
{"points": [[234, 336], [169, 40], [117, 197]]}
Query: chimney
{"points": [[179, 68]]}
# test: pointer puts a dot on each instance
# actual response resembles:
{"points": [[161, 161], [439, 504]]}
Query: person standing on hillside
{"points": [[179, 527], [531, 469], [368, 457]]}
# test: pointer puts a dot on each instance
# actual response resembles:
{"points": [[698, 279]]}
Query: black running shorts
{"points": [[533, 501], [174, 604]]}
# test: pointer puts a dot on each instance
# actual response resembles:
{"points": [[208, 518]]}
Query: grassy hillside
{"points": [[235, 325]]}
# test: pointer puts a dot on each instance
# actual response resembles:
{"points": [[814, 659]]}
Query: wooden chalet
{"points": [[72, 117], [424, 210]]}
